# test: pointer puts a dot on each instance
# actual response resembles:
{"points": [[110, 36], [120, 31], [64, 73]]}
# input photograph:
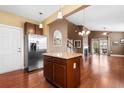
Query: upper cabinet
{"points": [[32, 28], [29, 28], [39, 31]]}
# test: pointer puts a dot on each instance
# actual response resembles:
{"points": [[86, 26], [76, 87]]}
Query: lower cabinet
{"points": [[59, 75], [62, 72], [48, 68], [73, 72]]}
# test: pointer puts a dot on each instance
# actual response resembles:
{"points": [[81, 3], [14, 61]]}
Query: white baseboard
{"points": [[117, 55]]}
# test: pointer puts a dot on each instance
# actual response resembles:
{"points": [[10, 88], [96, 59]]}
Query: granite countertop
{"points": [[64, 55]]}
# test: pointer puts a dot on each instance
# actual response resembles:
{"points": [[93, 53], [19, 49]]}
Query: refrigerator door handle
{"points": [[19, 50]]}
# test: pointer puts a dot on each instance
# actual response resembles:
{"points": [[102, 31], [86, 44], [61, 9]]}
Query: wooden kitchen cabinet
{"points": [[62, 72], [59, 72], [73, 72], [48, 68], [39, 31], [29, 28], [32, 29]]}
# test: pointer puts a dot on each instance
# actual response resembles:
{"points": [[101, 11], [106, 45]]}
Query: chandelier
{"points": [[84, 32]]}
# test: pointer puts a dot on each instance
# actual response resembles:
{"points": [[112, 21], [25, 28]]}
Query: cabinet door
{"points": [[29, 28], [73, 72], [59, 75], [59, 72], [39, 31], [48, 68], [77, 71]]}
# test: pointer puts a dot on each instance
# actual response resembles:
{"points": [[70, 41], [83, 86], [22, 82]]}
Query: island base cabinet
{"points": [[73, 72], [48, 68], [62, 72], [59, 75]]}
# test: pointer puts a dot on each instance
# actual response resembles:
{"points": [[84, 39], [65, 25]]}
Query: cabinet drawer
{"points": [[59, 61]]}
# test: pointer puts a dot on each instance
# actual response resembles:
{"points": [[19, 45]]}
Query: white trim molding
{"points": [[14, 27], [116, 55]]}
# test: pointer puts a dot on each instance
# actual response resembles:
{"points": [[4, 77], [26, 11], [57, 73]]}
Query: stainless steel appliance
{"points": [[35, 46]]}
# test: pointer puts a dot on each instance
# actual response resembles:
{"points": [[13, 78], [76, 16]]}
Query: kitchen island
{"points": [[62, 69]]}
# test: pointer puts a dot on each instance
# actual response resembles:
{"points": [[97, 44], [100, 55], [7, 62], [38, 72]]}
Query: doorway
{"points": [[11, 49], [99, 46]]}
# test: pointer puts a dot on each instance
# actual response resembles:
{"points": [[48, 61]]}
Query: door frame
{"points": [[99, 45], [93, 39], [107, 44], [22, 41]]}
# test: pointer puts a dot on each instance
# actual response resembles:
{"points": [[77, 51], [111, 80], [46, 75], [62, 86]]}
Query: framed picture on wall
{"points": [[77, 43], [122, 41]]}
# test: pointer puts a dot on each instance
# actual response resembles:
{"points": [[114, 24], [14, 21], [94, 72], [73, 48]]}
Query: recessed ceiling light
{"points": [[40, 13]]}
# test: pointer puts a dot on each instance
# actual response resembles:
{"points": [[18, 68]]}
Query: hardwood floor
{"points": [[96, 71], [102, 71]]}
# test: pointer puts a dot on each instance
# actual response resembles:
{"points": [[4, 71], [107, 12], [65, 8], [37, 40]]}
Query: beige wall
{"points": [[14, 20], [60, 25]]}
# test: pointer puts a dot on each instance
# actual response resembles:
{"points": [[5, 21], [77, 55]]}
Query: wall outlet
{"points": [[74, 65]]}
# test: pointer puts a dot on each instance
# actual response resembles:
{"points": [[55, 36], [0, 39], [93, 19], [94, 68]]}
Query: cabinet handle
{"points": [[19, 50]]}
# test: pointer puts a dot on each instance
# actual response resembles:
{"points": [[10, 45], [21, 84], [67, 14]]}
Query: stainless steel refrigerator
{"points": [[35, 46]]}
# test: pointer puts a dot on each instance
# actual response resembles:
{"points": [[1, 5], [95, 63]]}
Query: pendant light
{"points": [[40, 25], [60, 14]]}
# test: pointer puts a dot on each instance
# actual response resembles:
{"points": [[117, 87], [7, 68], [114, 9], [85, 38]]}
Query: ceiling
{"points": [[99, 17], [31, 11]]}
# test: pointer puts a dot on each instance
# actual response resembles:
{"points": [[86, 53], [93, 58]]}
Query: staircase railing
{"points": [[71, 46]]}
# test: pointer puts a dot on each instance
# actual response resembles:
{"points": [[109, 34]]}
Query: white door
{"points": [[10, 49]]}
